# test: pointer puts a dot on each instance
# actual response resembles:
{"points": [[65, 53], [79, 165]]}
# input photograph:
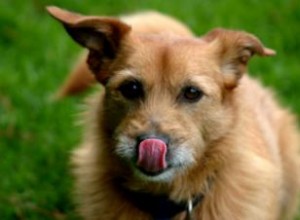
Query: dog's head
{"points": [[166, 97]]}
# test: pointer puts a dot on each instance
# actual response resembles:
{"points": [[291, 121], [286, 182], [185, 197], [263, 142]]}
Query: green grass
{"points": [[37, 135]]}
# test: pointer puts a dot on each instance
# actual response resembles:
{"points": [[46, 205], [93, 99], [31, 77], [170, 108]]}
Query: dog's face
{"points": [[167, 103], [166, 97]]}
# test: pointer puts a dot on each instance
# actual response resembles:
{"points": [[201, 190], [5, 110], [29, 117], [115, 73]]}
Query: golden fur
{"points": [[235, 145], [81, 77]]}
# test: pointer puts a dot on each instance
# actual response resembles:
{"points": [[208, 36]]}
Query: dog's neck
{"points": [[161, 207]]}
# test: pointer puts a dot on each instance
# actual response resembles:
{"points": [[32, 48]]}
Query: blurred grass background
{"points": [[37, 135]]}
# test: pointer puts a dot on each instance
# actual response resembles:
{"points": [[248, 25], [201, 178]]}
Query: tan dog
{"points": [[179, 130]]}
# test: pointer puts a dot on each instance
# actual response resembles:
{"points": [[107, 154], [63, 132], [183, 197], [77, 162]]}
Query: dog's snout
{"points": [[163, 137], [152, 154]]}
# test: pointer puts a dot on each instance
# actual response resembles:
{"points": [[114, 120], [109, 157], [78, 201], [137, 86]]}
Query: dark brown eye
{"points": [[132, 89], [191, 94]]}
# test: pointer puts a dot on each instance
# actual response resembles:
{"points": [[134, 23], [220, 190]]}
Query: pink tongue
{"points": [[152, 155]]}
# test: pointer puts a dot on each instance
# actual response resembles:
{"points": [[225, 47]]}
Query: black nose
{"points": [[163, 137]]}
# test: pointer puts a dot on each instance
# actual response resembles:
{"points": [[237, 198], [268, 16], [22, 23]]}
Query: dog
{"points": [[179, 129]]}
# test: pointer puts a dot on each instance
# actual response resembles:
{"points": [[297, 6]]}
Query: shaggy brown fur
{"points": [[228, 138], [148, 22]]}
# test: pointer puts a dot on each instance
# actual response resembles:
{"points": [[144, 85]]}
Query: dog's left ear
{"points": [[233, 50], [102, 36]]}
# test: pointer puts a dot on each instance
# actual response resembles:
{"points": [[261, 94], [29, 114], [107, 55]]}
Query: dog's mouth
{"points": [[151, 158]]}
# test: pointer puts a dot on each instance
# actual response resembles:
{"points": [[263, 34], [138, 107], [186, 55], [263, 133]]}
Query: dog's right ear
{"points": [[233, 50], [102, 36]]}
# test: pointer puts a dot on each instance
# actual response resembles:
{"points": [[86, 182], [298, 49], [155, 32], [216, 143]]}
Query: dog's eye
{"points": [[132, 89], [191, 94]]}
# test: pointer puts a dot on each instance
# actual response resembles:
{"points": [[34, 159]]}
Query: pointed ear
{"points": [[233, 50], [102, 36]]}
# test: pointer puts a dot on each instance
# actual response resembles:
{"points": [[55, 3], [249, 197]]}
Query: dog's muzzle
{"points": [[151, 155]]}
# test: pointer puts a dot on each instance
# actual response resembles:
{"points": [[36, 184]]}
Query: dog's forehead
{"points": [[164, 46], [168, 57]]}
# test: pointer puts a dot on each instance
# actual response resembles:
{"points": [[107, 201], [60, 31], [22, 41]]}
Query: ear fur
{"points": [[233, 50], [102, 36]]}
